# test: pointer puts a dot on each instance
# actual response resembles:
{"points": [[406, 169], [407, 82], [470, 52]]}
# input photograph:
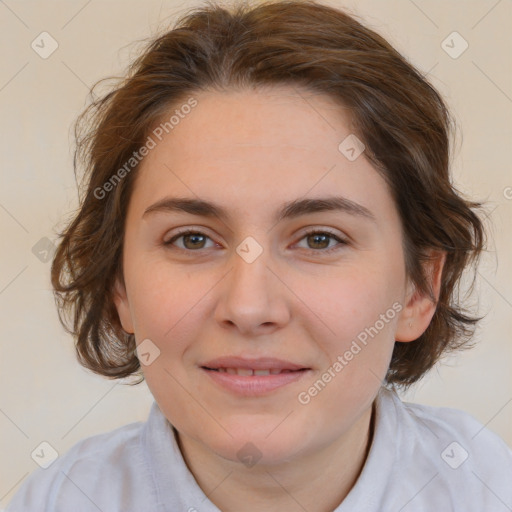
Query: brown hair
{"points": [[399, 116]]}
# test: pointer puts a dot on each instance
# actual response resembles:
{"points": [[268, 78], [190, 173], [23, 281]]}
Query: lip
{"points": [[260, 363], [254, 385]]}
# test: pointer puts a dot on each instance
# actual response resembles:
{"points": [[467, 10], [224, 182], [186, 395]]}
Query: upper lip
{"points": [[261, 363]]}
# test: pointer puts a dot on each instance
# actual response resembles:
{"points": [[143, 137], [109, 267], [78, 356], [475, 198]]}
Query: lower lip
{"points": [[254, 385]]}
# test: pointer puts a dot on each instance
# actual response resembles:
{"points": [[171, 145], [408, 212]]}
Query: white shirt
{"points": [[421, 459]]}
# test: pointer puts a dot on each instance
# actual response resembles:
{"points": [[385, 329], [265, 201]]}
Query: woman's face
{"points": [[253, 284]]}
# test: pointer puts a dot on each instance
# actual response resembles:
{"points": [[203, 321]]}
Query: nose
{"points": [[251, 298]]}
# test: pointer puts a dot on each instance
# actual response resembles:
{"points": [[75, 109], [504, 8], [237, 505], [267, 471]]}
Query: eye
{"points": [[192, 240], [319, 240]]}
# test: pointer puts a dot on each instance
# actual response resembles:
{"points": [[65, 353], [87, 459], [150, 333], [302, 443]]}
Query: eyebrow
{"points": [[289, 210]]}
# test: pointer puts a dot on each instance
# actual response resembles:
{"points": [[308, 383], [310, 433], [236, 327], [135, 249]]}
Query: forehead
{"points": [[278, 117], [256, 149]]}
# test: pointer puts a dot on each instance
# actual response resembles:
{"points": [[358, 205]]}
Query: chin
{"points": [[257, 452], [258, 444]]}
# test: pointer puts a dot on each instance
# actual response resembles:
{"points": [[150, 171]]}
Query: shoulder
{"points": [[463, 428], [469, 466], [89, 468]]}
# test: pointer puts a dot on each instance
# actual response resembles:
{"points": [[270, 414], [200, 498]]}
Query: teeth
{"points": [[247, 371], [261, 372]]}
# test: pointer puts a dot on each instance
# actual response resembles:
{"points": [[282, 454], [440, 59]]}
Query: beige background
{"points": [[45, 394]]}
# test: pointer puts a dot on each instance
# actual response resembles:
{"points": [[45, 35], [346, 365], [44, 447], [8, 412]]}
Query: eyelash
{"points": [[341, 241]]}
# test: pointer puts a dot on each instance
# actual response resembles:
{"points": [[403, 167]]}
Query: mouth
{"points": [[248, 372], [253, 377]]}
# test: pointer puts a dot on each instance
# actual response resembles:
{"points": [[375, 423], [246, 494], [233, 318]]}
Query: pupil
{"points": [[324, 237], [188, 238]]}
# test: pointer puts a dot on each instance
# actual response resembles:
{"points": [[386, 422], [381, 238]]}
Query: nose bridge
{"points": [[249, 274], [251, 296]]}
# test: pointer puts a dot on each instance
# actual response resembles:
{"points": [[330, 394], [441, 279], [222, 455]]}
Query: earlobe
{"points": [[419, 308], [122, 306]]}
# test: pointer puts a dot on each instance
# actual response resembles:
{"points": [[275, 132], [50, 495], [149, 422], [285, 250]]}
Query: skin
{"points": [[251, 151]]}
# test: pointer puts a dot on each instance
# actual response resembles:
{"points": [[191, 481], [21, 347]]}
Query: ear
{"points": [[419, 308], [122, 306]]}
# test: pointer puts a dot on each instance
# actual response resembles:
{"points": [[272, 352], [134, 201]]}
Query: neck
{"points": [[318, 481]]}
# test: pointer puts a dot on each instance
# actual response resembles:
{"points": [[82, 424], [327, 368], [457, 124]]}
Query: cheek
{"points": [[163, 299], [349, 301], [358, 324], [358, 312]]}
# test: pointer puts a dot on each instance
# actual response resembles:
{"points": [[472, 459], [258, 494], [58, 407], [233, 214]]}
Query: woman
{"points": [[270, 239]]}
